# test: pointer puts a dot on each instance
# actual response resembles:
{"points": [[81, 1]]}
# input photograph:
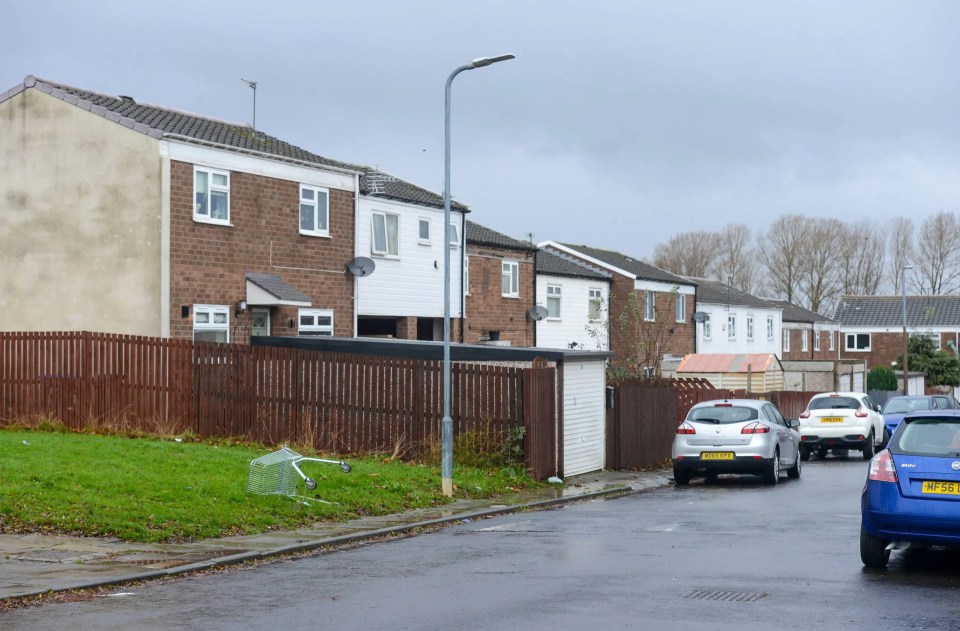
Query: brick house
{"points": [[807, 335], [500, 277], [872, 326], [662, 303], [737, 322], [576, 296]]}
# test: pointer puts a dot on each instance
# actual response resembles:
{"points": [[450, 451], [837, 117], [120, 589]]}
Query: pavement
{"points": [[37, 564]]}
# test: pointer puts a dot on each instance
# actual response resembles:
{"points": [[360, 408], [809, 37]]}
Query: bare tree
{"points": [[936, 257], [735, 262], [901, 248], [819, 277], [782, 251], [687, 253], [861, 258]]}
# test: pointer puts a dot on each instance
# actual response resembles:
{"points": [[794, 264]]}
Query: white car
{"points": [[841, 420]]}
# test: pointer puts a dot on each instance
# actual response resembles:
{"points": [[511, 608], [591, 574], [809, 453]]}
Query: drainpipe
{"points": [[356, 246]]}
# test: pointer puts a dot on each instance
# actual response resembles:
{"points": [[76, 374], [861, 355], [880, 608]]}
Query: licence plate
{"points": [[716, 455], [940, 488], [831, 419]]}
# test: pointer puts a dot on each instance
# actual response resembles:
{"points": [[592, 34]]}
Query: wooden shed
{"points": [[759, 373]]}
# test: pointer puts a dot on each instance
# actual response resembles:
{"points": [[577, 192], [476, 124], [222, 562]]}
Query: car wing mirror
{"points": [[793, 423]]}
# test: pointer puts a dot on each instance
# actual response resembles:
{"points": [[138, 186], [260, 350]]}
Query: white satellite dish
{"points": [[361, 266], [700, 317], [537, 313]]}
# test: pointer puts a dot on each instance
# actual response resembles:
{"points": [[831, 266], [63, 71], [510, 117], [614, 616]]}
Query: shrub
{"points": [[881, 378]]}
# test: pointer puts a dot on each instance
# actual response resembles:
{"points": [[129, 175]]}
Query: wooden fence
{"points": [[336, 402]]}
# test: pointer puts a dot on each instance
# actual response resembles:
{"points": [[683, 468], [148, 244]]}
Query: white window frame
{"points": [[816, 341], [211, 188], [650, 307], [386, 253], [317, 211], [769, 327], [681, 308], [555, 294], [750, 327], [315, 329], [935, 337], [420, 238], [804, 341], [786, 341], [511, 268], [731, 326], [466, 275], [853, 349], [832, 341], [595, 298], [706, 329], [211, 311], [454, 236]]}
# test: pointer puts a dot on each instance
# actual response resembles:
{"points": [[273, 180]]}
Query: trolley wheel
{"points": [[311, 483], [345, 467]]}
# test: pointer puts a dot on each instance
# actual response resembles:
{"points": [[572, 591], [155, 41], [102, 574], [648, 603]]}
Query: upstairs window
{"points": [[804, 341], [314, 211], [749, 327], [731, 327], [681, 308], [769, 328], [316, 322], [386, 235], [706, 329], [553, 301], [786, 340], [816, 340], [454, 235], [831, 341], [650, 307], [424, 231], [510, 279], [211, 195], [595, 308]]}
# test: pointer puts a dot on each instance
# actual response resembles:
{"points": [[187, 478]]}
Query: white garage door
{"points": [[584, 417], [858, 382]]}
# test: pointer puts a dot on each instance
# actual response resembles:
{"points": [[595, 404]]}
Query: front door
{"points": [[261, 322]]}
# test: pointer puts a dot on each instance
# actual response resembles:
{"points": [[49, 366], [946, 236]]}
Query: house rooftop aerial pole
{"points": [[447, 423], [906, 338]]}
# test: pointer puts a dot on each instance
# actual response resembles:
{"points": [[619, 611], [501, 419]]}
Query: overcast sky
{"points": [[618, 125]]}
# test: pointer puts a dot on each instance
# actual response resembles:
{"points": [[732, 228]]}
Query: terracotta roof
{"points": [[728, 363], [482, 235], [553, 264], [641, 270], [887, 311]]}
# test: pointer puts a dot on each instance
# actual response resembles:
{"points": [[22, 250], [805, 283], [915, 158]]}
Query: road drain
{"points": [[741, 597]]}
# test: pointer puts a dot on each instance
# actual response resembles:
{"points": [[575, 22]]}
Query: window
{"points": [[595, 308], [816, 340], [749, 327], [935, 338], [211, 323], [454, 235], [386, 234], [510, 285], [804, 341], [211, 195], [314, 211], [769, 328], [706, 329], [681, 308], [650, 307], [831, 341], [316, 322], [553, 301], [858, 342], [731, 326], [786, 340], [424, 234], [466, 274]]}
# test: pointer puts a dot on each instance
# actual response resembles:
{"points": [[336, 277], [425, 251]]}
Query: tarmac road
{"points": [[736, 554]]}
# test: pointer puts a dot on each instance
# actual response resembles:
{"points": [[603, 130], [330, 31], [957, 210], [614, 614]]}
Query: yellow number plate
{"points": [[716, 455], [941, 488], [831, 419]]}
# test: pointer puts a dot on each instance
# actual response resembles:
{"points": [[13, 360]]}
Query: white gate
{"points": [[584, 416]]}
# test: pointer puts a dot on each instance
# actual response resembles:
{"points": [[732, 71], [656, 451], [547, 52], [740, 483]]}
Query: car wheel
{"points": [[771, 475], [681, 477], [873, 551], [794, 471], [804, 453], [868, 447]]}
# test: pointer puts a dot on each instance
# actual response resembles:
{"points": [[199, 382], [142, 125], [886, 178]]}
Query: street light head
{"points": [[486, 61]]}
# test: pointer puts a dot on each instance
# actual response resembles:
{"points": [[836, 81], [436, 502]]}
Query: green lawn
{"points": [[154, 490]]}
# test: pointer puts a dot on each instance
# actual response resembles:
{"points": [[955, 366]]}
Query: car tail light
{"points": [[755, 428], [881, 467], [860, 413], [723, 405], [686, 428]]}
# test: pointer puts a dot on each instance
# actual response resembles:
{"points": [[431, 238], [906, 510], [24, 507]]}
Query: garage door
{"points": [[858, 382], [584, 417]]}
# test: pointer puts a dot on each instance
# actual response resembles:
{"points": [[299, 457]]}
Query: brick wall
{"points": [[884, 349], [796, 353], [486, 307], [208, 262]]}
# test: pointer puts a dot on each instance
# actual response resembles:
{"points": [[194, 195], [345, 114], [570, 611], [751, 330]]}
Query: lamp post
{"points": [[447, 423], [906, 338]]}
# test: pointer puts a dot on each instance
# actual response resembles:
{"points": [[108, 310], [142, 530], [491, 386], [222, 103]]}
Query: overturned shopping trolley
{"points": [[279, 473]]}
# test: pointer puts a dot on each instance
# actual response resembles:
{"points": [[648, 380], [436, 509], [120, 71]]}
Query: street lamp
{"points": [[447, 423], [906, 339]]}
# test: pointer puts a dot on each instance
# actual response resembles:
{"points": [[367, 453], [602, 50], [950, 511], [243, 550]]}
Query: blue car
{"points": [[912, 494], [894, 409]]}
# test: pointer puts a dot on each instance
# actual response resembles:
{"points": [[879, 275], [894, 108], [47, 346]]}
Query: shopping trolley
{"points": [[279, 473]]}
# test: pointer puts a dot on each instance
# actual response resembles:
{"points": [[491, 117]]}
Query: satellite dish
{"points": [[537, 313], [700, 317], [361, 266]]}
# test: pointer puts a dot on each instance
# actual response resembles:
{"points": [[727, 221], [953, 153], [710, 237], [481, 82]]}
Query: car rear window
{"points": [[902, 406], [833, 403], [930, 437], [723, 414]]}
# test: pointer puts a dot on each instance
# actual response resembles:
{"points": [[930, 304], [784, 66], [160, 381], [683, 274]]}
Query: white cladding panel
{"points": [[412, 283], [574, 325], [584, 417], [719, 340]]}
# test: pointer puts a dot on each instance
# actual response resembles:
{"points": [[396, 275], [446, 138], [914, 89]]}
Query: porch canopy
{"points": [[267, 290]]}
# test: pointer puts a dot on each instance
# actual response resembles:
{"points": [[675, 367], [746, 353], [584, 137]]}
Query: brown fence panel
{"points": [[537, 390], [642, 425], [791, 403]]}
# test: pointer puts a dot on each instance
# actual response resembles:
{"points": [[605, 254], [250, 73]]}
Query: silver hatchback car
{"points": [[736, 436]]}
